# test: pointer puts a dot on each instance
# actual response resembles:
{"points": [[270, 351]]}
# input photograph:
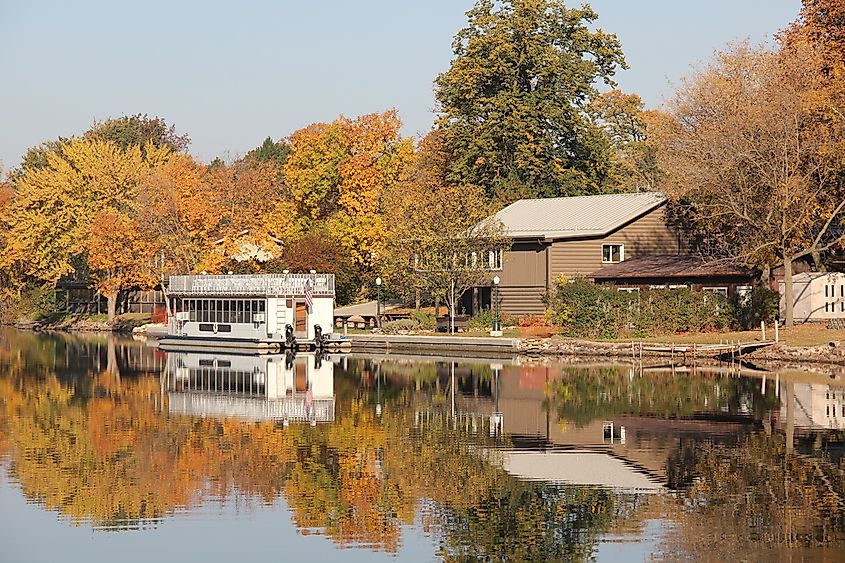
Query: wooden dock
{"points": [[725, 349]]}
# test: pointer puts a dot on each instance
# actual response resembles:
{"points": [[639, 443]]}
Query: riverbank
{"points": [[84, 323]]}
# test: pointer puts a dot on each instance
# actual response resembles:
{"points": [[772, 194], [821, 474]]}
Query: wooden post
{"points": [[763, 330], [777, 332]]}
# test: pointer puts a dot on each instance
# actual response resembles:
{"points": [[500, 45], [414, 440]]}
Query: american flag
{"points": [[309, 295]]}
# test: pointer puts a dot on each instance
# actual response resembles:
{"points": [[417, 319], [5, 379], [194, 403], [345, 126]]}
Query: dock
{"points": [[495, 346]]}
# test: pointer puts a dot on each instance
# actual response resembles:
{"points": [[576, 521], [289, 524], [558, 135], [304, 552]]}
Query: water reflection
{"points": [[282, 387], [486, 460]]}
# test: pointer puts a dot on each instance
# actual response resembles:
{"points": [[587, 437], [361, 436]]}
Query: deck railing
{"points": [[264, 285]]}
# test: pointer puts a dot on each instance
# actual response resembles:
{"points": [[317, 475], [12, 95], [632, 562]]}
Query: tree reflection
{"points": [[583, 395]]}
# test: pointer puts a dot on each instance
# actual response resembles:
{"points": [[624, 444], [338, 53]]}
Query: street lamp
{"points": [[378, 303], [497, 328]]}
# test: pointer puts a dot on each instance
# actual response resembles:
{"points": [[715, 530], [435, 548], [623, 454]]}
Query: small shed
{"points": [[817, 296]]}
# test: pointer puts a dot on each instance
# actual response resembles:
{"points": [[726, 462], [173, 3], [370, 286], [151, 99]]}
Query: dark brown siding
{"points": [[523, 278], [645, 236], [530, 267]]}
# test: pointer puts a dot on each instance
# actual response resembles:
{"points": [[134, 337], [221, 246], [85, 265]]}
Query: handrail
{"points": [[260, 285]]}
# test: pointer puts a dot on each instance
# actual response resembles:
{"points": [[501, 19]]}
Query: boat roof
{"points": [[261, 285]]}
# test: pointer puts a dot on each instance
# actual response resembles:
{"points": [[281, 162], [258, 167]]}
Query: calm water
{"points": [[111, 450]]}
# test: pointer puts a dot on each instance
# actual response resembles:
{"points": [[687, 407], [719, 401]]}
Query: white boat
{"points": [[267, 312]]}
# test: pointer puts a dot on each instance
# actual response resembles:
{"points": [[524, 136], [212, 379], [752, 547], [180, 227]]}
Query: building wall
{"points": [[530, 268], [818, 298], [646, 236]]}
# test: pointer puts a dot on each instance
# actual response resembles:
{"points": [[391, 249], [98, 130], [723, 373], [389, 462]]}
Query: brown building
{"points": [[672, 272], [575, 236]]}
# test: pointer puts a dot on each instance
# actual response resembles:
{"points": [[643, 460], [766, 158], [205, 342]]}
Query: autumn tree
{"points": [[337, 175], [514, 103], [119, 256], [750, 163], [442, 234], [50, 217], [626, 123]]}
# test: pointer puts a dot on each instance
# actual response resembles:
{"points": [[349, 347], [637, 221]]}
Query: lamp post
{"points": [[497, 328], [378, 303]]}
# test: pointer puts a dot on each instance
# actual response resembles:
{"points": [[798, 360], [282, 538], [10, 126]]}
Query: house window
{"points": [[628, 289], [612, 253], [495, 259], [720, 290], [744, 293], [678, 286]]}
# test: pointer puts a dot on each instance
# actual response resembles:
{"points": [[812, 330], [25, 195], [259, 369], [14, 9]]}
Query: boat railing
{"points": [[238, 285]]}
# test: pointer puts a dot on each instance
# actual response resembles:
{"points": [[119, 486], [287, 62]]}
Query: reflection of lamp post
{"points": [[497, 328], [378, 303], [496, 419], [378, 390]]}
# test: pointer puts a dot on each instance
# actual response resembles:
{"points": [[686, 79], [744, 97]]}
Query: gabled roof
{"points": [[665, 266], [575, 217]]}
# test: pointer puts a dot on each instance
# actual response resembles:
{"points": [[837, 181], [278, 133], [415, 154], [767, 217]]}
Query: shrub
{"points": [[484, 319], [425, 320], [587, 310], [532, 321], [668, 311], [509, 320], [762, 304], [399, 325], [159, 316], [35, 302]]}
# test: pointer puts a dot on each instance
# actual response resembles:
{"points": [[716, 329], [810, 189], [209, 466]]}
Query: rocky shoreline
{"points": [[78, 324]]}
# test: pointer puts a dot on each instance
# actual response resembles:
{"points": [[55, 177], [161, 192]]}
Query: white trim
{"points": [[611, 260]]}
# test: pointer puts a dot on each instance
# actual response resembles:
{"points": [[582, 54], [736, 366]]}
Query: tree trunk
{"points": [[789, 298], [818, 264], [417, 300], [112, 304]]}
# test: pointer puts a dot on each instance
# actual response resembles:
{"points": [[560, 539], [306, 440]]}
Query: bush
{"points": [[35, 302], [669, 311], [484, 319], [527, 321], [587, 310], [762, 304], [399, 325], [425, 320]]}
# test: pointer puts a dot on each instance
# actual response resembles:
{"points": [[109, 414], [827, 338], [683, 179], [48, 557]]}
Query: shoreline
{"points": [[831, 353]]}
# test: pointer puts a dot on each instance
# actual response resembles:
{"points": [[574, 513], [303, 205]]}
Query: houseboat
{"points": [[268, 313], [285, 387]]}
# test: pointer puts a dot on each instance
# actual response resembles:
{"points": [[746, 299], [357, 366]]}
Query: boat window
{"points": [[206, 327]]}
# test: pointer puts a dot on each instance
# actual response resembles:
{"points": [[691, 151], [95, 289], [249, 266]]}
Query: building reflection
{"points": [[818, 406], [281, 387]]}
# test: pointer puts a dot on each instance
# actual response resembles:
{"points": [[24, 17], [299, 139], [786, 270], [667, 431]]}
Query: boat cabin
{"points": [[251, 311]]}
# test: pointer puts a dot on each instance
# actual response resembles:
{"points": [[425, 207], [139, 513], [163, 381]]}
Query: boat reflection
{"points": [[260, 387]]}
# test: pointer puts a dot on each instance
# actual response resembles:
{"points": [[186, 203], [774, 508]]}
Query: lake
{"points": [[114, 450]]}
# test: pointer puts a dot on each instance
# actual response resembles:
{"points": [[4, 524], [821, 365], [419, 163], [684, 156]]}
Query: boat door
{"points": [[300, 329]]}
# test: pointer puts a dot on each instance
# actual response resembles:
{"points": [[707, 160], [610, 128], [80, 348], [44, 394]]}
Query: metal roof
{"points": [[575, 217]]}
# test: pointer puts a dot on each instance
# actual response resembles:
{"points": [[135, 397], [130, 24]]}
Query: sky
{"points": [[232, 73]]}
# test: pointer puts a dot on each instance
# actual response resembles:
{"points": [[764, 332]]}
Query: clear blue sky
{"points": [[231, 73]]}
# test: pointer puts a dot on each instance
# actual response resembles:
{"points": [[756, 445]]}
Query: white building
{"points": [[818, 296]]}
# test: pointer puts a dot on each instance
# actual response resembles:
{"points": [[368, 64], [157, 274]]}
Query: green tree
{"points": [[138, 129], [513, 105], [270, 151]]}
